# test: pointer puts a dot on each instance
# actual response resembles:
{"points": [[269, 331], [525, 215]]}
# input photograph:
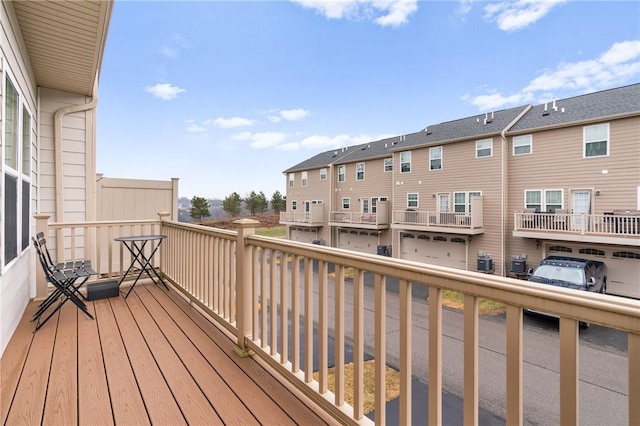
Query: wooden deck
{"points": [[150, 358]]}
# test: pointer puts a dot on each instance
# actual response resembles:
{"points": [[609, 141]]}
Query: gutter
{"points": [[504, 198], [57, 144]]}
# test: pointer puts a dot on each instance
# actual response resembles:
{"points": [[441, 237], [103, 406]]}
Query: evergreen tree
{"points": [[199, 208], [256, 203], [232, 204], [278, 202]]}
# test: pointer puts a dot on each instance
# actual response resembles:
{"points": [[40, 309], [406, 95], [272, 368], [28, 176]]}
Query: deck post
{"points": [[244, 273], [42, 225]]}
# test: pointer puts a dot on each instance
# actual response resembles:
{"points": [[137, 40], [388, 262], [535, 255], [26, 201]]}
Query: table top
{"points": [[141, 238]]}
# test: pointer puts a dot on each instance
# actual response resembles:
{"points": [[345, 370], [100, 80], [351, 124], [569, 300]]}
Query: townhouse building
{"points": [[493, 193]]}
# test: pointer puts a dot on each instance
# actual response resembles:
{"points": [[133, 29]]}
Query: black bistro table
{"points": [[136, 245]]}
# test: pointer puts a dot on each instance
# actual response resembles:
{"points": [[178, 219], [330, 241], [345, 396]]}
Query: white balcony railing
{"points": [[618, 225], [427, 218], [357, 218], [277, 297]]}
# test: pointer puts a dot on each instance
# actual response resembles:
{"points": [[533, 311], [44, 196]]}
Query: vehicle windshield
{"points": [[550, 272]]}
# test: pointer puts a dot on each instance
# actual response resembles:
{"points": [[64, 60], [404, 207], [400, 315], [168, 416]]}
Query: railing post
{"points": [[244, 273], [42, 225]]}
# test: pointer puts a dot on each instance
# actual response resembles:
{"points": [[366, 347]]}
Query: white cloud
{"points": [[516, 15], [618, 65], [266, 140], [382, 12], [193, 127], [230, 123], [164, 91]]}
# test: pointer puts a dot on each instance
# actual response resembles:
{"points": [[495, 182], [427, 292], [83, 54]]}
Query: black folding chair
{"points": [[65, 288]]}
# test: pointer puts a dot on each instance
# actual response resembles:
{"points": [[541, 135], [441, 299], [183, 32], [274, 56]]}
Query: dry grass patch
{"points": [[392, 383], [489, 307]]}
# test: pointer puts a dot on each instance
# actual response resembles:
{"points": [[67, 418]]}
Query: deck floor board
{"points": [[151, 358]]}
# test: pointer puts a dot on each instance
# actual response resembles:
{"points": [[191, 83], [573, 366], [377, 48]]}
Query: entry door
{"points": [[581, 201], [307, 209]]}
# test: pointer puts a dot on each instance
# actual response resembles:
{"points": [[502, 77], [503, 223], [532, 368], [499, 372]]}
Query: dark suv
{"points": [[571, 272]]}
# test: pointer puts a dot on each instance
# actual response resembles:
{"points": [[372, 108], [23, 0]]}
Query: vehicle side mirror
{"points": [[530, 271], [592, 282]]}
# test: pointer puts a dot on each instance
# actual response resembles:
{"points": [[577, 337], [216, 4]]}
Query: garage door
{"points": [[623, 265], [358, 240], [434, 249], [303, 235]]}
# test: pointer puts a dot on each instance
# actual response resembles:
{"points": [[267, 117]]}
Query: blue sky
{"points": [[225, 95]]}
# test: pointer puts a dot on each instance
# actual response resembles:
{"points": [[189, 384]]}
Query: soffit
{"points": [[65, 41]]}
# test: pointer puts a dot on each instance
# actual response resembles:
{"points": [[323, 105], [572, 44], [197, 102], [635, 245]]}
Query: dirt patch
{"points": [[267, 220]]}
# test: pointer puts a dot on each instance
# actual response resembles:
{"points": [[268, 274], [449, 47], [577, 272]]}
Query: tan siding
{"points": [[316, 189]]}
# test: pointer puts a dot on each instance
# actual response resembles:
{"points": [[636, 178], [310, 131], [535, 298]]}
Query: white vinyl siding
{"points": [[522, 145]]}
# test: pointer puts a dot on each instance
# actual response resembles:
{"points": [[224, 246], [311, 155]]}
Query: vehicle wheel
{"points": [[603, 289], [584, 325]]}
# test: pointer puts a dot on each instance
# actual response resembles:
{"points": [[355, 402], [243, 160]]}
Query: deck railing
{"points": [[618, 225], [357, 218], [289, 302]]}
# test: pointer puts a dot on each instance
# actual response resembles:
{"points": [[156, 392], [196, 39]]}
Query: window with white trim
{"points": [[294, 205], [484, 148], [304, 179], [323, 174], [522, 145], [544, 200], [388, 164], [342, 173], [412, 200], [17, 173], [435, 158], [462, 201], [292, 179], [346, 203], [374, 203], [405, 162], [359, 171], [596, 140]]}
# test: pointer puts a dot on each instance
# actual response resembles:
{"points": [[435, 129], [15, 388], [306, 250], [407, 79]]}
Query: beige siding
{"points": [[316, 189], [461, 172], [376, 183], [557, 162]]}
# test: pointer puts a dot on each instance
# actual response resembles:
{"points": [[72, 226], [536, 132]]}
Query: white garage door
{"points": [[303, 235], [623, 265], [358, 240], [434, 249]]}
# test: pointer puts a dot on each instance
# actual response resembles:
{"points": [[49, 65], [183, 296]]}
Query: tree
{"points": [[232, 204], [278, 202], [256, 203], [199, 208]]}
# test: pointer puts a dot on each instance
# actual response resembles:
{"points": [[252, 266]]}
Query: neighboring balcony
{"points": [[616, 227], [471, 223], [346, 219], [249, 319], [314, 217]]}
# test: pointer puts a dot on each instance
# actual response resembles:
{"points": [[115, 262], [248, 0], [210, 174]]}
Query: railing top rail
{"points": [[617, 312], [102, 223], [201, 228]]}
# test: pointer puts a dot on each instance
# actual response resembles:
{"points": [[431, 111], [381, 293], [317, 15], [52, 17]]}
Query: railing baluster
{"points": [[406, 349], [284, 309], [470, 360], [633, 354], [358, 344], [339, 335], [273, 298], [323, 326], [295, 313], [569, 371], [381, 348], [308, 320], [435, 356], [263, 297], [514, 365]]}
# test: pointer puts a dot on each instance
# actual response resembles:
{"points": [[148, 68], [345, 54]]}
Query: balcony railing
{"points": [[617, 228], [282, 304], [342, 217]]}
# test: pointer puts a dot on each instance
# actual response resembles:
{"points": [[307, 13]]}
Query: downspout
{"points": [[57, 143], [505, 186]]}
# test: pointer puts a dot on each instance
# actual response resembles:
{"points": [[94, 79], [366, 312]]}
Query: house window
{"points": [[484, 148], [552, 200], [374, 203], [462, 201], [17, 173], [294, 205], [316, 202], [304, 178], [412, 201], [435, 158], [323, 174], [388, 164], [405, 162], [346, 203], [359, 171], [596, 140], [292, 178], [342, 173], [522, 145], [533, 200]]}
